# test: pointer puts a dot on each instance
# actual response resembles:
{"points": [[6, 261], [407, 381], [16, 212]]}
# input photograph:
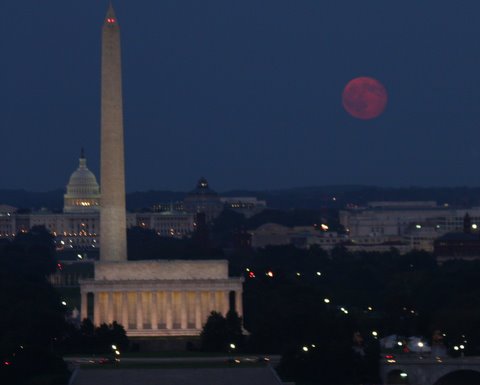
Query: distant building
{"points": [[458, 245], [83, 191], [247, 206], [274, 234], [203, 200], [7, 221], [412, 225], [172, 206], [177, 224], [78, 227]]}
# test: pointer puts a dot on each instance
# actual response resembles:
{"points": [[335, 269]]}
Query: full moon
{"points": [[364, 98]]}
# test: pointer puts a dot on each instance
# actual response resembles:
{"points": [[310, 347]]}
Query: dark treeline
{"points": [[35, 328], [308, 298], [227, 232], [32, 316], [408, 295], [303, 303], [305, 197]]}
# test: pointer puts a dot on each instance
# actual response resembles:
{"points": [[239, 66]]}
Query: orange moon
{"points": [[364, 98]]}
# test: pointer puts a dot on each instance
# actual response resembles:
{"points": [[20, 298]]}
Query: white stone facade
{"points": [[161, 298], [82, 230]]}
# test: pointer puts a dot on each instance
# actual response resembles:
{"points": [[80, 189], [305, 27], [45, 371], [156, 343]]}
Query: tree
{"points": [[90, 339], [233, 324], [219, 332], [214, 334]]}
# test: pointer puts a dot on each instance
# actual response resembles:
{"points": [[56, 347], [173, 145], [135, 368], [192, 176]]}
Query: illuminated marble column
{"points": [[225, 302], [139, 311], [168, 310], [183, 310], [212, 302], [125, 309], [110, 307], [96, 309], [238, 303], [154, 311], [84, 306], [198, 311]]}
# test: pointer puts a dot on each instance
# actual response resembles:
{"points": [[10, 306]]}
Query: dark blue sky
{"points": [[246, 93]]}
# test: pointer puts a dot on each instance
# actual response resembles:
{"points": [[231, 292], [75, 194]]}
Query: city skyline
{"points": [[247, 95]]}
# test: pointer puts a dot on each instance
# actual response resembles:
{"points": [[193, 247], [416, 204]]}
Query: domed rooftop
{"points": [[83, 191], [202, 188], [203, 200]]}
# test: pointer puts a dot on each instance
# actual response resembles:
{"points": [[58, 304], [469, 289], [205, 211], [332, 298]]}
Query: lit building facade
{"points": [[157, 298], [83, 191], [247, 206], [203, 200], [414, 224], [78, 227]]}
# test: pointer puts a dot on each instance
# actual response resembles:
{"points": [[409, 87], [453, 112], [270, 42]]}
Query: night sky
{"points": [[246, 93]]}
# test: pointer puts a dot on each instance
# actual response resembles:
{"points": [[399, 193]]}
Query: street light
{"points": [[420, 345]]}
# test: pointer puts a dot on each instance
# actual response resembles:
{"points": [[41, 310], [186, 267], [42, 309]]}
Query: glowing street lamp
{"points": [[420, 345]]}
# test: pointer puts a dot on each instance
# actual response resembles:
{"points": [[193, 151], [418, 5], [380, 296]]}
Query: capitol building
{"points": [[83, 191], [77, 227]]}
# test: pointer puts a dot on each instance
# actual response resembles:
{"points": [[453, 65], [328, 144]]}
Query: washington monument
{"points": [[152, 298], [113, 242]]}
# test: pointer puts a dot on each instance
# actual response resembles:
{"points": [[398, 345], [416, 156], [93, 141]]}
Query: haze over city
{"points": [[247, 94]]}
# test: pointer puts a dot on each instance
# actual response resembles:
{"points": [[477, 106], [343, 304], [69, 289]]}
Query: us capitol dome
{"points": [[83, 191]]}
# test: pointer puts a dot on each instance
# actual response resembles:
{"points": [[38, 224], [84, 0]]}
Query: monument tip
{"points": [[110, 18]]}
